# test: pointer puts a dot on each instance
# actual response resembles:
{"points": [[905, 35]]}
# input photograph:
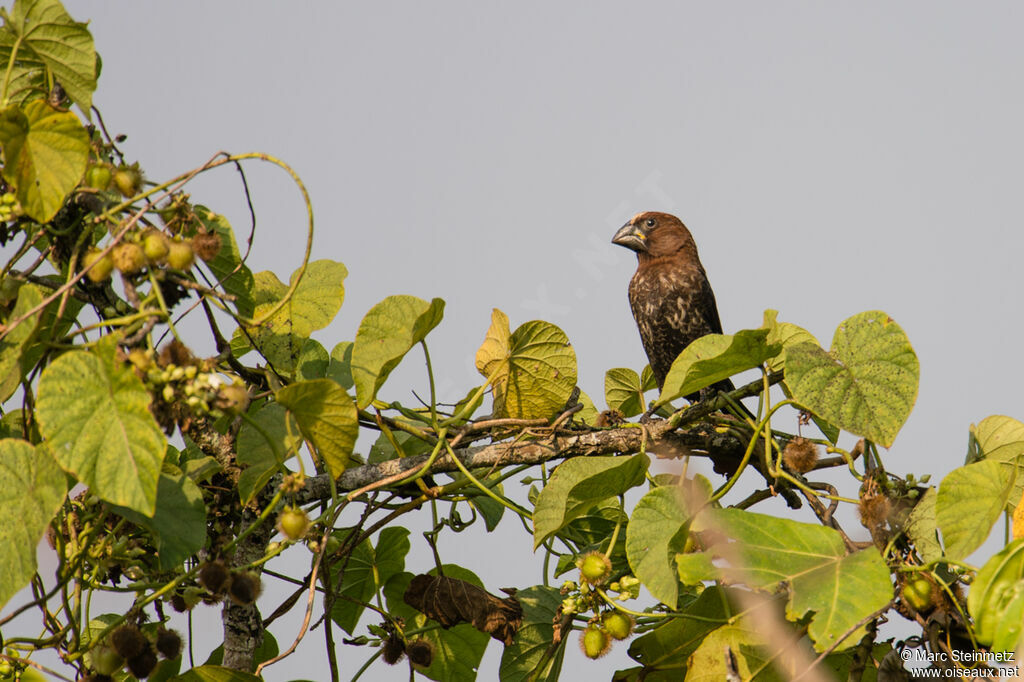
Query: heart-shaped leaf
{"points": [[388, 331], [533, 370], [866, 384]]}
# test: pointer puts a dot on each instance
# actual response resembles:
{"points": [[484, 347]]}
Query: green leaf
{"points": [[312, 306], [215, 673], [714, 357], [263, 446], [31, 492], [696, 567], [368, 569], [457, 650], [784, 334], [997, 438], [48, 39], [624, 392], [866, 384], [993, 590], [788, 335], [388, 331], [179, 522], [540, 606], [922, 528], [1001, 439], [45, 152], [969, 501], [841, 589], [1008, 628], [579, 484], [533, 369], [340, 369], [227, 266], [313, 361], [13, 345], [656, 533], [669, 646], [327, 418], [94, 414], [744, 639]]}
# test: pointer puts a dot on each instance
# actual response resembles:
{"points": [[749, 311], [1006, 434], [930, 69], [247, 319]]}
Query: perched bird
{"points": [[670, 295]]}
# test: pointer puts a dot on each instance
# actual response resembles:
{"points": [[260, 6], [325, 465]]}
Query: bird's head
{"points": [[654, 234]]}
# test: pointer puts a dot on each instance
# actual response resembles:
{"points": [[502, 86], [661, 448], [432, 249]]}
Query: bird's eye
{"points": [[649, 222]]}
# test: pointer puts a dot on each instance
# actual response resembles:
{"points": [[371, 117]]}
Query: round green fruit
{"points": [[128, 180], [293, 523], [618, 625], [98, 177], [180, 255], [595, 642], [918, 594], [154, 245], [128, 258], [104, 265], [595, 568]]}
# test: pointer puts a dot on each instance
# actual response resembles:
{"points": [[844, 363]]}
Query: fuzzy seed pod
{"points": [[206, 245], [142, 665], [800, 455], [214, 576], [595, 642], [245, 588], [128, 641], [168, 643], [393, 649]]}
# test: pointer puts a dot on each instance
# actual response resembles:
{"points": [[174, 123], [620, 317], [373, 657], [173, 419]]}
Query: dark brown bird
{"points": [[670, 295]]}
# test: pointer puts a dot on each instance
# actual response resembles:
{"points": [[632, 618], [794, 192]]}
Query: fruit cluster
{"points": [[205, 393], [149, 248], [128, 645], [592, 594], [9, 207]]}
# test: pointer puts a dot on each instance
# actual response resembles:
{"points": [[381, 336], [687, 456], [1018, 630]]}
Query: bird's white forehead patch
{"points": [[636, 217]]}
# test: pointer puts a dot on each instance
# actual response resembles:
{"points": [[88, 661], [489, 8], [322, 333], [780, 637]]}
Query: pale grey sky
{"points": [[829, 159]]}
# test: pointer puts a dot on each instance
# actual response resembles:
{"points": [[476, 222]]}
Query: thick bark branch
{"points": [[699, 440]]}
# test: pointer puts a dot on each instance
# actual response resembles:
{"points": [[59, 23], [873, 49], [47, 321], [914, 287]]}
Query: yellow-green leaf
{"points": [[264, 443], [656, 532], [623, 391], [533, 370], [227, 266], [579, 484], [388, 331], [47, 38], [714, 357], [994, 588], [785, 334], [94, 415], [327, 418], [841, 589], [970, 500], [13, 345], [312, 306], [866, 384], [179, 523], [45, 154], [31, 492]]}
